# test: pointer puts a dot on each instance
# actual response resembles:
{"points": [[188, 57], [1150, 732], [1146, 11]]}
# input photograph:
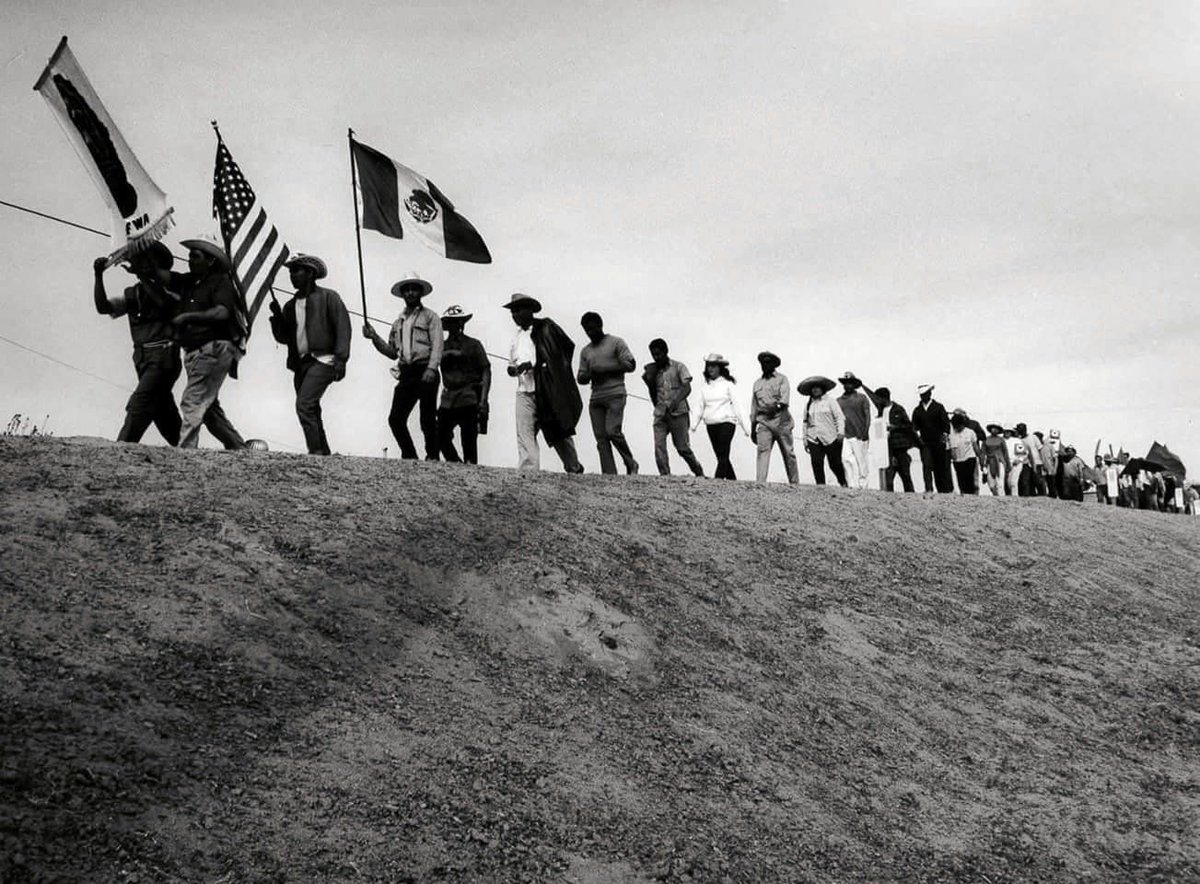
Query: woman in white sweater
{"points": [[719, 412]]}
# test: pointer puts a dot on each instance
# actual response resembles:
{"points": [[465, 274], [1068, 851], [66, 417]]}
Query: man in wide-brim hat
{"points": [[466, 382], [932, 424], [150, 305], [547, 397], [816, 382], [856, 409], [996, 463], [315, 327], [415, 342], [210, 328], [771, 421]]}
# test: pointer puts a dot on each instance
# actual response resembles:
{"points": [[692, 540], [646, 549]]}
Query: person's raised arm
{"points": [[99, 295]]}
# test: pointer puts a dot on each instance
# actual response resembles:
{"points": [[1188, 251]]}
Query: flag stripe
{"points": [[377, 186], [246, 235], [251, 239], [463, 242]]}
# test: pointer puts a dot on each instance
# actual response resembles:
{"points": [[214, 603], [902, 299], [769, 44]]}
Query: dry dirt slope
{"points": [[273, 668]]}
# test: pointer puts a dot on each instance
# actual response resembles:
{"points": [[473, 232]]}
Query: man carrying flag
{"points": [[207, 329]]}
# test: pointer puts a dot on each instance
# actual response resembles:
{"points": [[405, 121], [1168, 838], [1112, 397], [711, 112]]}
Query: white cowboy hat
{"points": [[413, 278]]}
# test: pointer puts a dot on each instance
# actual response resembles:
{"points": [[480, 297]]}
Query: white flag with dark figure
{"points": [[394, 196], [140, 214]]}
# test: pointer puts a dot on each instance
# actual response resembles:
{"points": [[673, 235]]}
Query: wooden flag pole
{"points": [[362, 284]]}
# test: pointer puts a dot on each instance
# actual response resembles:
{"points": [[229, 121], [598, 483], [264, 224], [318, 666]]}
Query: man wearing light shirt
{"points": [[771, 419], [824, 432], [603, 362], [415, 342]]}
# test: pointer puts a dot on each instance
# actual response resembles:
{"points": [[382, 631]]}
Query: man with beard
{"points": [[150, 305]]}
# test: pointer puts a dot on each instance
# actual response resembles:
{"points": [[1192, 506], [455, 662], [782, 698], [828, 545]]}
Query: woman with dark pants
{"points": [[824, 429], [964, 452], [719, 413]]}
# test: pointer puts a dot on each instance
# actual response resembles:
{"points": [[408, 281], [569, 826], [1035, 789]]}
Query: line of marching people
{"points": [[195, 322]]}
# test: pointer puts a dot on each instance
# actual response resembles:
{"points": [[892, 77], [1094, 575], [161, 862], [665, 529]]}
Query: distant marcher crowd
{"points": [[195, 323]]}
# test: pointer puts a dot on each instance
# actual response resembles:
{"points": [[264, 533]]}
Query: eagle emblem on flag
{"points": [[421, 206]]}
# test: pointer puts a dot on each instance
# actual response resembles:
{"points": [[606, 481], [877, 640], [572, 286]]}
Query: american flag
{"points": [[253, 243]]}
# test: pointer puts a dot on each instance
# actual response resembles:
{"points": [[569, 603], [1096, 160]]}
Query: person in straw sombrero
{"points": [[208, 329]]}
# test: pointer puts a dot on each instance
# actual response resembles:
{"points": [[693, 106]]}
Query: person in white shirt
{"points": [[719, 412]]}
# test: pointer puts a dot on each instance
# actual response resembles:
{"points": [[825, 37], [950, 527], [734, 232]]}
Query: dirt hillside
{"points": [[266, 667]]}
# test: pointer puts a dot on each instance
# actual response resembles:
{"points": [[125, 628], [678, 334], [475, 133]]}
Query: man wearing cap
{"points": [[548, 397], [670, 384], [150, 305], [932, 424], [466, 382], [900, 438], [824, 431], [771, 419], [415, 342], [209, 328], [603, 362], [315, 327], [856, 409]]}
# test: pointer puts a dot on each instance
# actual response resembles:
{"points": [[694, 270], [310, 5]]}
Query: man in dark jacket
{"points": [[900, 438], [315, 328], [150, 306], [209, 328], [548, 398], [932, 424]]}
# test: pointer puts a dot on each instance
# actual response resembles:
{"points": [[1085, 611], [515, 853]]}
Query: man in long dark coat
{"points": [[547, 398], [932, 424]]}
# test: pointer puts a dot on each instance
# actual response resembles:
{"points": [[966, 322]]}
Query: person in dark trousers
{"points": [[150, 304], [901, 439], [932, 426], [824, 433], [670, 384], [315, 327], [209, 327], [415, 342], [466, 382], [603, 362]]}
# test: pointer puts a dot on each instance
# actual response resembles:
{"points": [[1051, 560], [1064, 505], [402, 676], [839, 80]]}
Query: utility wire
{"points": [[277, 289]]}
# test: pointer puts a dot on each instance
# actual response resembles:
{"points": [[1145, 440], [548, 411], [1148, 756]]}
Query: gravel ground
{"points": [[266, 667]]}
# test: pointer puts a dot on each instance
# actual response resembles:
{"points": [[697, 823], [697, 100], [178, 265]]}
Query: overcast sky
{"points": [[999, 198]]}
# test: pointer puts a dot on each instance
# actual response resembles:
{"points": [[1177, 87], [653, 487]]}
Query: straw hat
{"points": [[715, 359], [456, 312], [312, 262], [413, 278], [850, 379]]}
